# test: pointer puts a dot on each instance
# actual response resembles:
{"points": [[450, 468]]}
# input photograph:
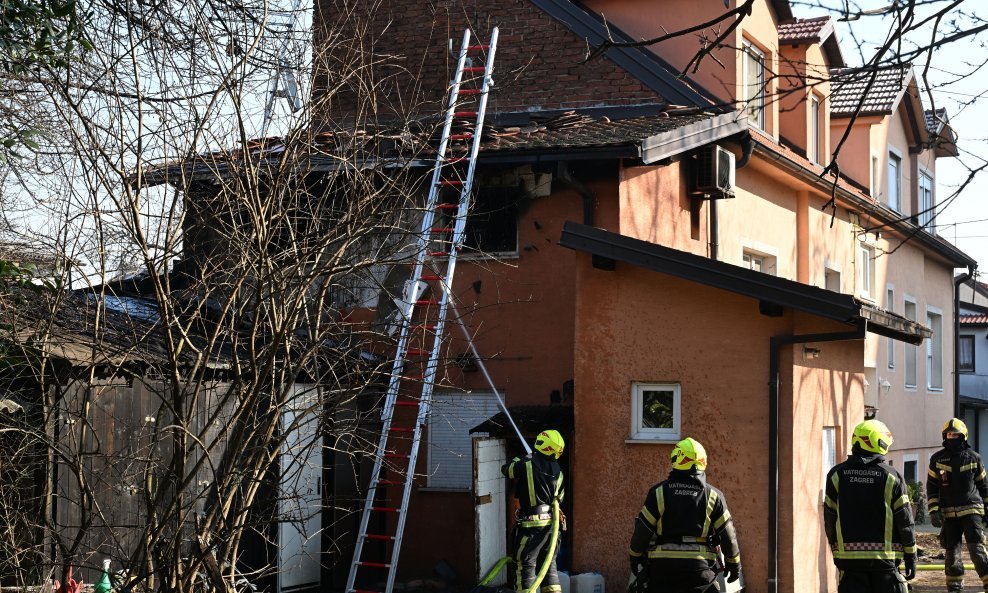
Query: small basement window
{"points": [[655, 411]]}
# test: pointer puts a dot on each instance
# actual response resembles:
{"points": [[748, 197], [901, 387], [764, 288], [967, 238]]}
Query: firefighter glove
{"points": [[733, 572], [936, 518], [636, 564], [910, 561]]}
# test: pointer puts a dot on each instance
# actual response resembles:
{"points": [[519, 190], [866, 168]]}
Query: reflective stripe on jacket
{"points": [[956, 483], [686, 518], [867, 515]]}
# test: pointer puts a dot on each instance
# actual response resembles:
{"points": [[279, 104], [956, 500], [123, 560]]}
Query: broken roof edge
{"points": [[668, 144], [743, 281]]}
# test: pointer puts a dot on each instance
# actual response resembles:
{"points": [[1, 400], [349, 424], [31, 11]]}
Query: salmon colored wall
{"points": [[654, 207], [801, 70], [724, 405], [856, 152], [647, 19], [523, 317], [762, 217], [833, 241]]}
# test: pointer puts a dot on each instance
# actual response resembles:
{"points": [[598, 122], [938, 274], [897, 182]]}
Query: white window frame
{"points": [[890, 307], [874, 177], [910, 351], [894, 200], [768, 255], [831, 267], [866, 270], [934, 350], [926, 214], [643, 434], [750, 51], [815, 135], [828, 449], [915, 459]]}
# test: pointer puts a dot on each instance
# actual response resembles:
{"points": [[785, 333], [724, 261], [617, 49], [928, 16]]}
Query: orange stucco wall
{"points": [[724, 405], [802, 73]]}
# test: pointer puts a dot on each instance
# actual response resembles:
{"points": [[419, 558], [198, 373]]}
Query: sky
{"points": [[958, 82]]}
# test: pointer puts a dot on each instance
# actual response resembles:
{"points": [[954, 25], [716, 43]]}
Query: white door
{"points": [[490, 511], [299, 499]]}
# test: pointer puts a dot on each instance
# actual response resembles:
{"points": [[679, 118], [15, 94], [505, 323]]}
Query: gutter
{"points": [[669, 144], [775, 345], [957, 337]]}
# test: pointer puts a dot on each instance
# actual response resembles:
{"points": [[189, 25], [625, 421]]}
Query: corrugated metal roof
{"points": [[867, 91]]}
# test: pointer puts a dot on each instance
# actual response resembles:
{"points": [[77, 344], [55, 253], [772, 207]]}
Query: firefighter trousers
{"points": [[529, 549], [871, 581], [971, 527], [672, 577]]}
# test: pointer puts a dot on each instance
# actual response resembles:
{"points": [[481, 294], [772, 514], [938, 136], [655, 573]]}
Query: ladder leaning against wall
{"points": [[439, 241]]}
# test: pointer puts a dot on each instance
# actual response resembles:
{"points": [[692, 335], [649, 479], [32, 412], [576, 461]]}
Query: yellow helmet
{"points": [[954, 425], [550, 443], [689, 453], [873, 436]]}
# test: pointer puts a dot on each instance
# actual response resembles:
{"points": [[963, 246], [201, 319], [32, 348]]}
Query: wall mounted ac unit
{"points": [[714, 172]]}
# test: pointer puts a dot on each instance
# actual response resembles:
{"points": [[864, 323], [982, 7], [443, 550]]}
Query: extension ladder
{"points": [[439, 242]]}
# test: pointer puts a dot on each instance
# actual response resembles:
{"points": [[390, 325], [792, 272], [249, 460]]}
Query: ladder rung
{"points": [[415, 352], [401, 429], [423, 326], [374, 564], [448, 182], [386, 510], [427, 302], [448, 206], [395, 456], [432, 278], [464, 114], [390, 483], [412, 377], [437, 253], [363, 591], [471, 91], [464, 135], [475, 69], [478, 47], [380, 537], [407, 404], [442, 229]]}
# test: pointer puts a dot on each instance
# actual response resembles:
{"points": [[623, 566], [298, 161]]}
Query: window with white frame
{"points": [[829, 450], [815, 137], [965, 354], [452, 415], [831, 278], [934, 351], [890, 307], [866, 270], [894, 200], [926, 202], [909, 350], [758, 261], [754, 84], [655, 411], [874, 176], [910, 468]]}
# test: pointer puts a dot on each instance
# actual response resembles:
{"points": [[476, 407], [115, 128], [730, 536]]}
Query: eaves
{"points": [[885, 216]]}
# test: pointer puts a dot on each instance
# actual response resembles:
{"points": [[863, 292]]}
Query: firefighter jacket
{"points": [[956, 485], [684, 519], [538, 481], [867, 515]]}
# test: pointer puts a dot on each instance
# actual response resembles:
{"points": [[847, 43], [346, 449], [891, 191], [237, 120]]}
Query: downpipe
{"points": [[957, 336]]}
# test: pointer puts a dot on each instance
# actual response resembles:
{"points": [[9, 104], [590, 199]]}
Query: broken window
{"points": [[492, 227], [655, 411]]}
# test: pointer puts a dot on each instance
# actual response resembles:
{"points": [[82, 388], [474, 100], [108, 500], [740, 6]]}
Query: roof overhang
{"points": [[668, 144], [756, 285]]}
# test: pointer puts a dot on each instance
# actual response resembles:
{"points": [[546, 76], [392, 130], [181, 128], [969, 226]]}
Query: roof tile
{"points": [[851, 88], [803, 29]]}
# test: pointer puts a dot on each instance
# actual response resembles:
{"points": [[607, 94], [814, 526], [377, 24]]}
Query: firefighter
{"points": [[538, 482], [956, 493], [680, 526], [868, 518]]}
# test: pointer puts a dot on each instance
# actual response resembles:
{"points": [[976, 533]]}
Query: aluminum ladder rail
{"points": [[447, 176]]}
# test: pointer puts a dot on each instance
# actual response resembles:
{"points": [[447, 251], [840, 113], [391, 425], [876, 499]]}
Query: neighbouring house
{"points": [[649, 257], [890, 149], [972, 361]]}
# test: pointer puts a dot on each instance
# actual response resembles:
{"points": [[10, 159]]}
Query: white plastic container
{"points": [[587, 582], [564, 581]]}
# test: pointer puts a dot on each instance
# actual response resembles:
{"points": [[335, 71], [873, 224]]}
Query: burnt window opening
{"points": [[492, 226]]}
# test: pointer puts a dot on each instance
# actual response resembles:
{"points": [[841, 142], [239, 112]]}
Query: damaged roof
{"points": [[650, 134]]}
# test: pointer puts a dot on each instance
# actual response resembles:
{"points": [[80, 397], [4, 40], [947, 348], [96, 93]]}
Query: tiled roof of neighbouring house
{"points": [[867, 91], [974, 319], [801, 30], [935, 119]]}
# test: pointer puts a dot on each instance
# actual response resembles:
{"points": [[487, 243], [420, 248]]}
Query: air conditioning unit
{"points": [[714, 172]]}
